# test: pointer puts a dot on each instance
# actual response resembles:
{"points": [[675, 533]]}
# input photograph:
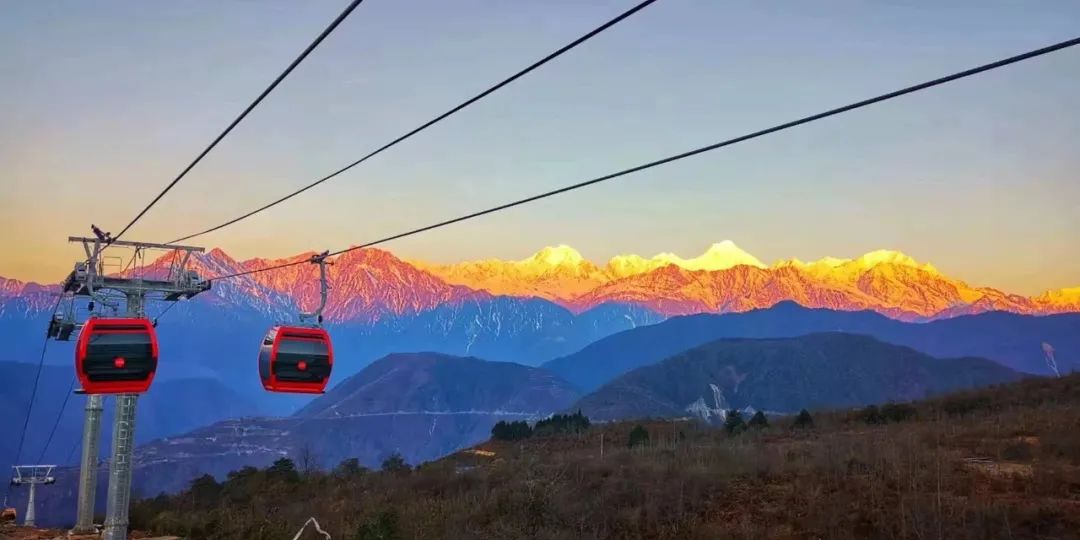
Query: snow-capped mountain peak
{"points": [[561, 255], [719, 256], [887, 256], [368, 285], [863, 262]]}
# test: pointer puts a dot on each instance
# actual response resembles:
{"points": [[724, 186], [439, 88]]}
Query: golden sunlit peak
{"points": [[719, 256], [1067, 295], [886, 256], [833, 262], [560, 255], [630, 265], [865, 262]]}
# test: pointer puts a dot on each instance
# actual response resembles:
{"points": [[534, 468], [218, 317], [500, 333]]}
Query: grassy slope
{"points": [[999, 462]]}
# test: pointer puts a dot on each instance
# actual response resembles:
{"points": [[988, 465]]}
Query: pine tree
{"points": [[734, 422], [804, 420], [511, 431], [500, 431], [204, 491], [562, 423], [394, 463], [759, 421], [283, 469]]}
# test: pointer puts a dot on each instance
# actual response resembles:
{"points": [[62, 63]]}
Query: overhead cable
{"points": [[593, 33], [760, 133], [326, 32], [59, 418]]}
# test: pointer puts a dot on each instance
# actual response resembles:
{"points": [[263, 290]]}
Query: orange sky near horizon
{"points": [[105, 102]]}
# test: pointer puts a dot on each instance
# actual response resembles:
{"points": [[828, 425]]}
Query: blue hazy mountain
{"points": [[169, 407], [1013, 340], [784, 375]]}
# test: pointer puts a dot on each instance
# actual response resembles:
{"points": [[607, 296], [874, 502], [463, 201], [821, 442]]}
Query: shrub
{"points": [[350, 467], [872, 415], [897, 412], [383, 526], [241, 483], [889, 412], [1018, 451], [962, 405], [638, 436]]}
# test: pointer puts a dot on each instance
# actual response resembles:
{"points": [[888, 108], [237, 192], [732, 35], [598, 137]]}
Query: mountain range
{"points": [[551, 305], [726, 278], [369, 285], [1019, 342], [784, 375]]}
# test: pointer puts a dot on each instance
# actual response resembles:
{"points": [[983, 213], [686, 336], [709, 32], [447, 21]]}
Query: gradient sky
{"points": [[102, 103]]}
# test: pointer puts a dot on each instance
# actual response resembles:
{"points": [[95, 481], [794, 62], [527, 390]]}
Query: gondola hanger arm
{"points": [[324, 288]]}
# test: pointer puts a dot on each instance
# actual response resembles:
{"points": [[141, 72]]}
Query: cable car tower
{"points": [[31, 475], [116, 353]]}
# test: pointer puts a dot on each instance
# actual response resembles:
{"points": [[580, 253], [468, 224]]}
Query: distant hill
{"points": [[422, 405], [438, 382], [168, 408], [1012, 340], [828, 370]]}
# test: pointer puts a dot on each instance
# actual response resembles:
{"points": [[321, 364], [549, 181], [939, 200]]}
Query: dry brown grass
{"points": [[997, 463]]}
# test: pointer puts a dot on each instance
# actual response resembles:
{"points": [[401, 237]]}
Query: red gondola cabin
{"points": [[296, 359], [116, 356]]}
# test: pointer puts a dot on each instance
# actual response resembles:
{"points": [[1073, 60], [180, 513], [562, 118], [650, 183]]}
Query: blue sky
{"points": [[104, 102]]}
